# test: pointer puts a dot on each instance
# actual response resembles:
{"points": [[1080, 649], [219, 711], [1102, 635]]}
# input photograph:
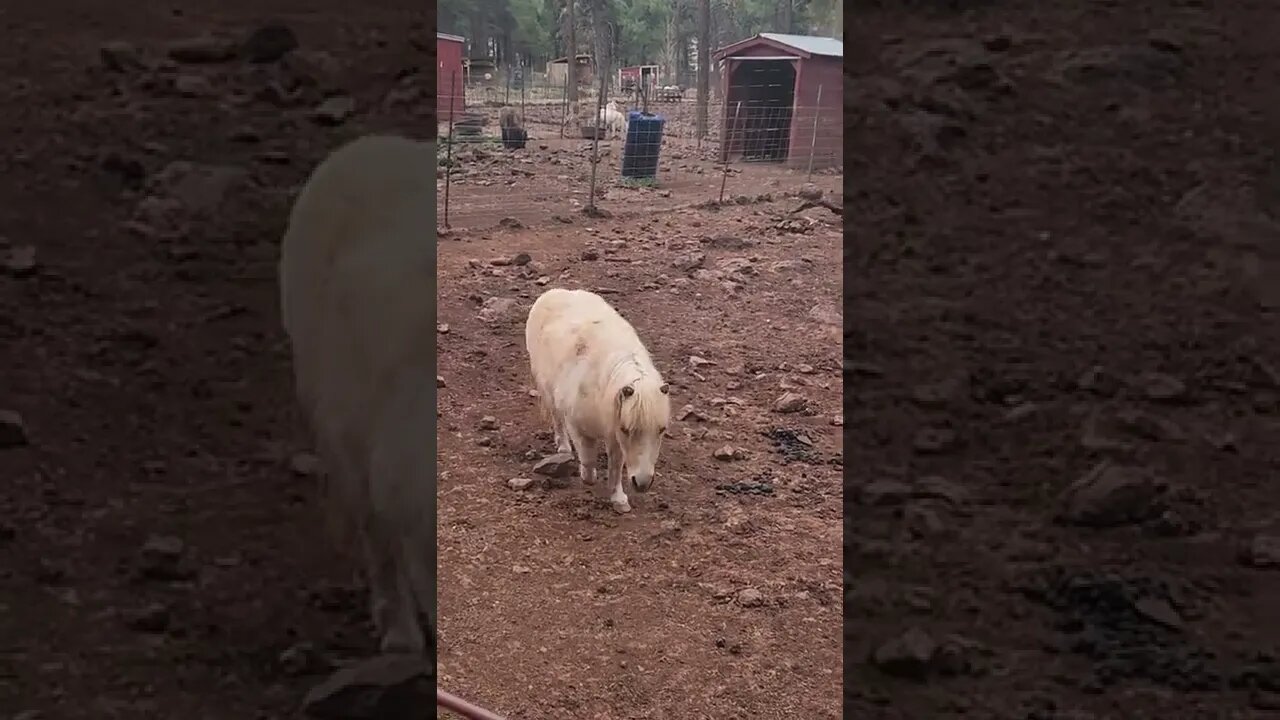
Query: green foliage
{"points": [[531, 32]]}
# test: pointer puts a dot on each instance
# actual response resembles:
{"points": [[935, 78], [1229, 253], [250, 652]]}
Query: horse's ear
{"points": [[665, 388], [627, 391]]}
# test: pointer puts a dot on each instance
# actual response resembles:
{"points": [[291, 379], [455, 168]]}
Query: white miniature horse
{"points": [[613, 119], [358, 301], [600, 387]]}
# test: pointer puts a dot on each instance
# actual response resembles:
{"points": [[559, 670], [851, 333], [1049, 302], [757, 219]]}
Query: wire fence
{"points": [[527, 157]]}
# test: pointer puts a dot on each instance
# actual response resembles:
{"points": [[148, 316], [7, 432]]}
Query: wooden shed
{"points": [[783, 99], [450, 80], [637, 75], [558, 71]]}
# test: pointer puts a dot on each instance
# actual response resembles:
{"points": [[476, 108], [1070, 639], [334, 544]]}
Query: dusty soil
{"points": [[144, 356], [717, 597], [1061, 362], [551, 176]]}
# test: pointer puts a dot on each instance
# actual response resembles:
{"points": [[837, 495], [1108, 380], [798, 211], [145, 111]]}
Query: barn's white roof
{"points": [[447, 36], [827, 46]]}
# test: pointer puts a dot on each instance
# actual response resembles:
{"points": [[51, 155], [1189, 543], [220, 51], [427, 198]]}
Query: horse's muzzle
{"points": [[641, 484]]}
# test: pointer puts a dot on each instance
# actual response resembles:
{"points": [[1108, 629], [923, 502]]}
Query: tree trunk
{"points": [[602, 39], [571, 52], [704, 65], [671, 73]]}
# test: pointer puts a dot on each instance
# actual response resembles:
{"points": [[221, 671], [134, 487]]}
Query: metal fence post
{"points": [[813, 141], [448, 144], [724, 179], [595, 143]]}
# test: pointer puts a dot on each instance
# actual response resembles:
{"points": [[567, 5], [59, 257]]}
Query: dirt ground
{"points": [[717, 597], [1061, 361], [144, 357], [161, 553]]}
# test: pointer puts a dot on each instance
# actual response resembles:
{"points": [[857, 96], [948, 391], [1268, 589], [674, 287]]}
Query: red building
{"points": [[633, 75], [783, 99], [450, 82]]}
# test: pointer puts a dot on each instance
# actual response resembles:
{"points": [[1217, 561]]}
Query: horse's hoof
{"points": [[622, 508]]}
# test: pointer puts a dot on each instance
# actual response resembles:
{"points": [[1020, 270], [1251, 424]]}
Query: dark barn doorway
{"points": [[761, 95]]}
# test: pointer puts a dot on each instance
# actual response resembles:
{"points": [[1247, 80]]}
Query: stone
{"points": [[935, 440], [386, 687], [120, 56], [727, 453], [909, 655], [13, 431], [334, 111], [1159, 612], [689, 412], [1262, 552], [1111, 496], [151, 618], [689, 261], [1148, 426], [559, 465], [200, 188], [269, 43], [488, 422], [790, 402], [520, 484], [20, 261], [496, 309], [440, 381], [957, 656], [698, 362], [205, 49], [193, 86], [1161, 387], [750, 598], [162, 558]]}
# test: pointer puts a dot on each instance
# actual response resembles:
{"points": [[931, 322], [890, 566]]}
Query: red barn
{"points": [[633, 75], [450, 82], [783, 99]]}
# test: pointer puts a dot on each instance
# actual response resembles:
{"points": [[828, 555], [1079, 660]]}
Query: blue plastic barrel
{"points": [[643, 143]]}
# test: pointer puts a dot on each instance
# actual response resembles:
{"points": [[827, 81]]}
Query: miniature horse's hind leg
{"points": [[557, 422], [588, 453]]}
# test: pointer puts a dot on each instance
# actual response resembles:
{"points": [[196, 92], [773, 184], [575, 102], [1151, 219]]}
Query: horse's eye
{"points": [[626, 431]]}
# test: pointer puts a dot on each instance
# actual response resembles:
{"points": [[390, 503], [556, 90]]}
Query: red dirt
{"points": [[148, 369], [1016, 230], [551, 605]]}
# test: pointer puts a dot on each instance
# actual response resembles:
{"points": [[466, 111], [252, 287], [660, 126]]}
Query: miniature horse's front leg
{"points": [[618, 496]]}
